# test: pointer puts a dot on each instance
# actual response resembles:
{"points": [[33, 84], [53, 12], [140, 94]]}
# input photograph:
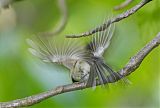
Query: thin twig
{"points": [[6, 3], [63, 21], [123, 5], [130, 67], [113, 20]]}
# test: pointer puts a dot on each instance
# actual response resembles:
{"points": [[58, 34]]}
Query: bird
{"points": [[85, 62]]}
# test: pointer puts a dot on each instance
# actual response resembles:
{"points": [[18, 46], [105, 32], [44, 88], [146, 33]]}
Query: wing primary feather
{"points": [[103, 35], [91, 77], [100, 41], [45, 45], [113, 74], [65, 54], [37, 50], [99, 74], [102, 72]]}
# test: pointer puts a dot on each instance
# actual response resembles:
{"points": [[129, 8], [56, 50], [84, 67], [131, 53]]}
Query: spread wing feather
{"points": [[100, 41], [66, 54]]}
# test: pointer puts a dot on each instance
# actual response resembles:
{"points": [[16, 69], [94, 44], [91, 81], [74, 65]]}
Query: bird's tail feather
{"points": [[101, 73]]}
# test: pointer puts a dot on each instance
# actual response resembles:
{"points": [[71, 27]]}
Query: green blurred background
{"points": [[22, 74]]}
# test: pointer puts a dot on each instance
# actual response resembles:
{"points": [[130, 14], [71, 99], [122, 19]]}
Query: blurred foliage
{"points": [[23, 75]]}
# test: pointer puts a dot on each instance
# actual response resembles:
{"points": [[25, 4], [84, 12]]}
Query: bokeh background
{"points": [[22, 74]]}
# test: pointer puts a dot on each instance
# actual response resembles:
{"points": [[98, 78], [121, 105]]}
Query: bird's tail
{"points": [[101, 73]]}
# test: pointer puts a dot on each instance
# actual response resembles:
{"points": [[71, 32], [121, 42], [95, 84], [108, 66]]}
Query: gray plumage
{"points": [[85, 63]]}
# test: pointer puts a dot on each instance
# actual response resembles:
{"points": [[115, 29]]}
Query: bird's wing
{"points": [[48, 51], [100, 41]]}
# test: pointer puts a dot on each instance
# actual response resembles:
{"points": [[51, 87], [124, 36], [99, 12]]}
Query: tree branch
{"points": [[122, 5], [113, 20], [130, 67], [63, 21]]}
